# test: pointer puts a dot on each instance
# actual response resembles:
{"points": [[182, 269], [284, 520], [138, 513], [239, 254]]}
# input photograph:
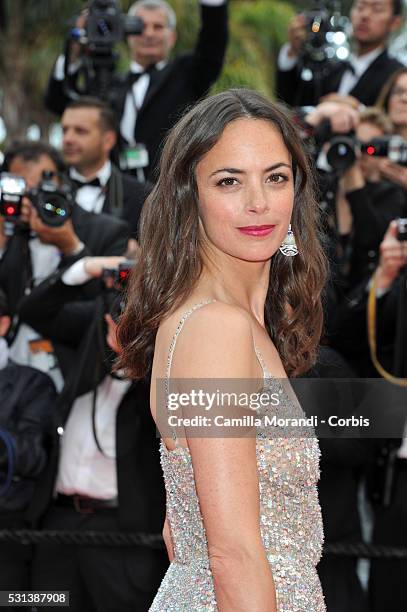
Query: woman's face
{"points": [[246, 191], [398, 101]]}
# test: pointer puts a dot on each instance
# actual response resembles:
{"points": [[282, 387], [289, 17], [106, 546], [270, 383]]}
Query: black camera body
{"points": [[53, 202], [120, 275], [342, 151], [107, 25]]}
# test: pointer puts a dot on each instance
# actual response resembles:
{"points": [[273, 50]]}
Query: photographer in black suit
{"points": [[27, 400], [89, 134], [104, 466], [150, 98], [365, 73], [36, 250]]}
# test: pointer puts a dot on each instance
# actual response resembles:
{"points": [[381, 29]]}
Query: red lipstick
{"points": [[257, 230]]}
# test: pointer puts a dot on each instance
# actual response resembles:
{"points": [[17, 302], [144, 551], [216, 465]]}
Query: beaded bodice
{"points": [[288, 470]]}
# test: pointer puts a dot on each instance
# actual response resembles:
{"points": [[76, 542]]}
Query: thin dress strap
{"points": [[171, 354]]}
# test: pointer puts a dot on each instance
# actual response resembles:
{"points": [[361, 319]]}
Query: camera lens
{"points": [[53, 210], [341, 154]]}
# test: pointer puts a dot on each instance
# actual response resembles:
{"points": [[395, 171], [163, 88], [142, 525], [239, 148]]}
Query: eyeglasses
{"points": [[398, 91]]}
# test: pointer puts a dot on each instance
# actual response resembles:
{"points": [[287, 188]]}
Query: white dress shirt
{"points": [[134, 101], [92, 198], [83, 469]]}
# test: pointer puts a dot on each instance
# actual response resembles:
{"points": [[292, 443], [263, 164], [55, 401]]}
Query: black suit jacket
{"points": [[373, 207], [295, 92], [183, 81], [101, 235], [27, 400], [134, 194]]}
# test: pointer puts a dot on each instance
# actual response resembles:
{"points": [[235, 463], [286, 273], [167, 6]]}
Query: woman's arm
{"points": [[168, 539], [217, 344]]}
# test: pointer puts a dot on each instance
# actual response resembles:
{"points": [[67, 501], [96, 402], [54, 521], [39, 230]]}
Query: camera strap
{"points": [[371, 329], [114, 194]]}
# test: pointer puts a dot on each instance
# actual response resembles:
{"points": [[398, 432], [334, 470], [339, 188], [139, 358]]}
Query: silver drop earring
{"points": [[289, 247]]}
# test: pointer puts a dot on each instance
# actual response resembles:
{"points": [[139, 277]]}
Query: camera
{"points": [[53, 202], [106, 26], [120, 275], [401, 230], [326, 38], [342, 150]]}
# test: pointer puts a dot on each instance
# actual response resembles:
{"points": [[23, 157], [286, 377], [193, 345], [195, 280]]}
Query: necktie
{"points": [[93, 183], [348, 66]]}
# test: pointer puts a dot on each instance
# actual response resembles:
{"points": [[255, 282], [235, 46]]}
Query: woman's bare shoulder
{"points": [[216, 340]]}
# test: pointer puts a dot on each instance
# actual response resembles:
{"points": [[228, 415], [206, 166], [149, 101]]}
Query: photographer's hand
{"points": [[393, 172], [63, 237], [342, 117], [296, 34], [75, 48], [353, 178], [94, 266], [393, 257], [111, 337]]}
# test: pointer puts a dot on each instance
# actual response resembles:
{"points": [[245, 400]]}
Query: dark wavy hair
{"points": [[170, 261]]}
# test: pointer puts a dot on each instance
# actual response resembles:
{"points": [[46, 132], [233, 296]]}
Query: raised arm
{"points": [[211, 45], [217, 344]]}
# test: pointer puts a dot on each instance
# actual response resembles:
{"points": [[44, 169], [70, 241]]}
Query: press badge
{"points": [[134, 157]]}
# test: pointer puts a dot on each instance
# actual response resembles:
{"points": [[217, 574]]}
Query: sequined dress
{"points": [[290, 516]]}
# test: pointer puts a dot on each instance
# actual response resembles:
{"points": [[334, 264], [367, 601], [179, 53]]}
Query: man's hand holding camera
{"points": [[63, 237], [296, 35], [393, 256], [393, 172]]}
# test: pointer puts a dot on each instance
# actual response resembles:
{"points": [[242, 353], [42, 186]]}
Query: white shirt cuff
{"points": [[59, 70], [212, 2], [285, 62], [76, 274]]}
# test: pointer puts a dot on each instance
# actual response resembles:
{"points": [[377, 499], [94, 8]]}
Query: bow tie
{"points": [[93, 183], [133, 77]]}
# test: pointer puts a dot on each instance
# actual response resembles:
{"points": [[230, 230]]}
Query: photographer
{"points": [[388, 479], [362, 76], [350, 337], [89, 135], [366, 203], [37, 249], [105, 467], [150, 98], [27, 400]]}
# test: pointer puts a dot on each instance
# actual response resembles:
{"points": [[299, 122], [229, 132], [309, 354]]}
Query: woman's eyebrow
{"points": [[238, 171]]}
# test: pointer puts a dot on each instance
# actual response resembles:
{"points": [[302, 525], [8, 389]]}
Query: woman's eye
{"points": [[228, 181], [277, 178]]}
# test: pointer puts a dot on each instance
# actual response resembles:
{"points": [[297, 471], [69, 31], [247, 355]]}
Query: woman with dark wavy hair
{"points": [[217, 295]]}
